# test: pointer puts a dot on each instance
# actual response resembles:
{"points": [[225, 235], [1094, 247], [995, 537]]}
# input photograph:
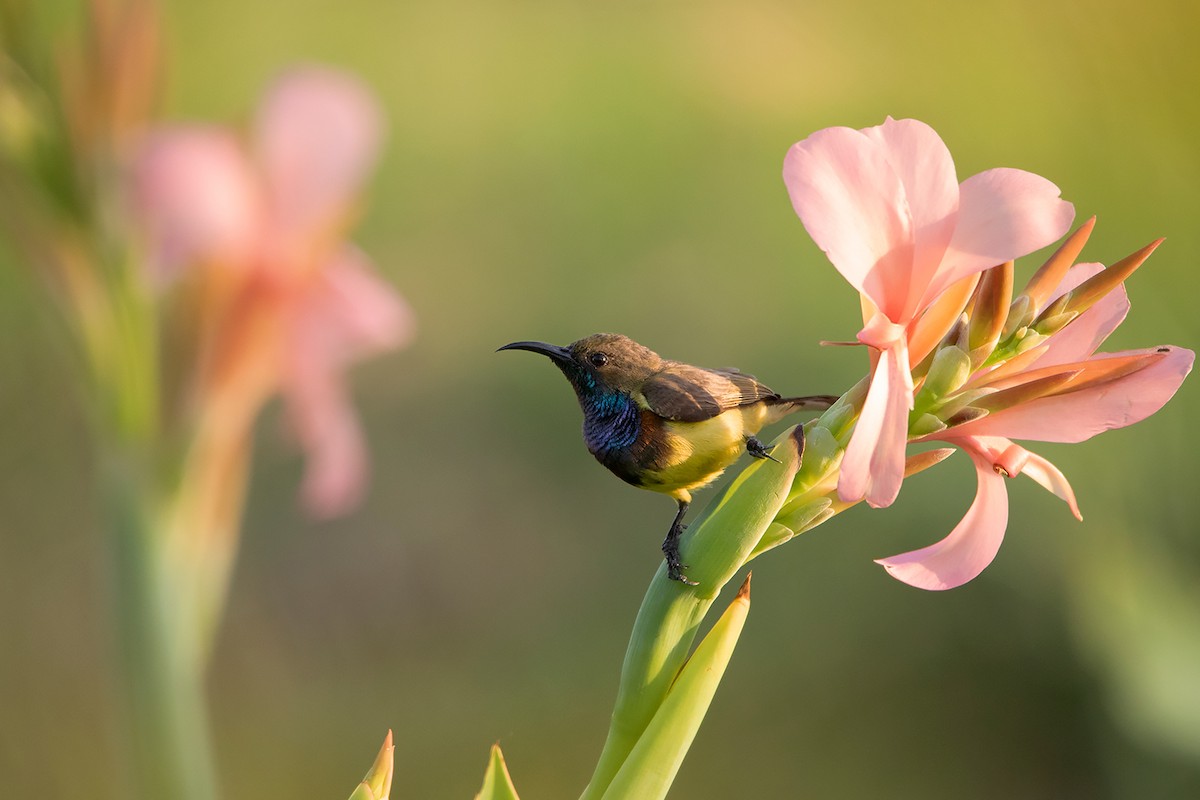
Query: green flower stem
{"points": [[650, 769], [669, 619], [164, 681]]}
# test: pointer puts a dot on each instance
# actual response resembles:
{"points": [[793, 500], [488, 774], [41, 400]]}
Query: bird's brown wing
{"points": [[693, 394]]}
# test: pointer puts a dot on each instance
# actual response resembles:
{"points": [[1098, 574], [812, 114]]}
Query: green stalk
{"points": [[670, 615], [651, 768], [164, 682]]}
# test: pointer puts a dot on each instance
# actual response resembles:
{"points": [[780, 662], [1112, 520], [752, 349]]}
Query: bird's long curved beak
{"points": [[559, 355]]}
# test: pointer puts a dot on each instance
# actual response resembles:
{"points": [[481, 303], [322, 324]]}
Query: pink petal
{"points": [[335, 472], [317, 135], [348, 314], [873, 467], [192, 190], [1052, 479], [361, 314], [1002, 214], [852, 203], [926, 170], [939, 317], [1080, 339], [1080, 415], [969, 548]]}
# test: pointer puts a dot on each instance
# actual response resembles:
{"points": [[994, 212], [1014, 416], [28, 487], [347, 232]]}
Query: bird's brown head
{"points": [[600, 363]]}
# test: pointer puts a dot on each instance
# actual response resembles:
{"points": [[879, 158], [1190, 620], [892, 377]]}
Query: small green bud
{"points": [[981, 354], [960, 401], [924, 425], [1020, 314], [1028, 340], [776, 534], [803, 517], [822, 455], [1055, 308], [1048, 326], [838, 419], [950, 369]]}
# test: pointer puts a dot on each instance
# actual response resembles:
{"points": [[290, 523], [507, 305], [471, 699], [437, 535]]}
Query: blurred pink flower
{"points": [[1059, 391], [885, 205], [291, 304]]}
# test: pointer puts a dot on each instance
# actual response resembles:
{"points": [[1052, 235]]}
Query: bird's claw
{"points": [[759, 450], [670, 548], [675, 573]]}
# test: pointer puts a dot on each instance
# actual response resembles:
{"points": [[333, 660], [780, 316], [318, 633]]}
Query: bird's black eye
{"points": [[598, 359]]}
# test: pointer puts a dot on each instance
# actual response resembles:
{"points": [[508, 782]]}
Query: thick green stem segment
{"points": [[650, 769], [164, 681], [718, 544]]}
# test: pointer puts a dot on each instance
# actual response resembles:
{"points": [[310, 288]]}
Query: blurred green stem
{"points": [[164, 681]]}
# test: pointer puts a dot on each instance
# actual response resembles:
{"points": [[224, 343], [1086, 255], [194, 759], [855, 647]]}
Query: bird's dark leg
{"points": [[670, 547], [759, 450]]}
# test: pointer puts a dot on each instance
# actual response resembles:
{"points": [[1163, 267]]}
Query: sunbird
{"points": [[664, 425]]}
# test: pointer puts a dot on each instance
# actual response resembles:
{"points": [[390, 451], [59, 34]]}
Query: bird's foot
{"points": [[675, 573], [670, 548], [759, 450]]}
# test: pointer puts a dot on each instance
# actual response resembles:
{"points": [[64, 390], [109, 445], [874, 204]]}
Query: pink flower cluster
{"points": [[885, 205], [262, 221]]}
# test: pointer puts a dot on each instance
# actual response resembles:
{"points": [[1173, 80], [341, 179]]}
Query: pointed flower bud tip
{"points": [[1087, 293], [1047, 279], [991, 301]]}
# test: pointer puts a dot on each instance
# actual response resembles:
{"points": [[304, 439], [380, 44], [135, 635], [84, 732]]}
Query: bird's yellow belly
{"points": [[698, 452]]}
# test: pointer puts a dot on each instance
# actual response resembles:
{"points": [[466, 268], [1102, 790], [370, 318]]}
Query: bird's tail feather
{"points": [[813, 402]]}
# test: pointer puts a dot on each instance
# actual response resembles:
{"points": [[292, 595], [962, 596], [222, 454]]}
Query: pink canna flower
{"points": [[1061, 390], [885, 205], [288, 304]]}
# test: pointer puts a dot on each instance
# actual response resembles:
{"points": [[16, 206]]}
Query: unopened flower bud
{"points": [[964, 415], [1100, 284], [950, 369], [925, 425], [992, 297], [805, 516], [1048, 326], [822, 455], [1020, 314], [1027, 339]]}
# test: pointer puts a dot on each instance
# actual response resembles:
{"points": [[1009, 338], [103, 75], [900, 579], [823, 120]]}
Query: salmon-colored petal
{"points": [[1052, 479], [926, 170], [1079, 415], [192, 191], [335, 471], [1002, 214], [873, 467], [362, 314], [969, 548], [928, 330], [852, 202], [318, 133], [347, 314]]}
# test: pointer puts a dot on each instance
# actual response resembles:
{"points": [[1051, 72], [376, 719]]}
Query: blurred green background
{"points": [[556, 169]]}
